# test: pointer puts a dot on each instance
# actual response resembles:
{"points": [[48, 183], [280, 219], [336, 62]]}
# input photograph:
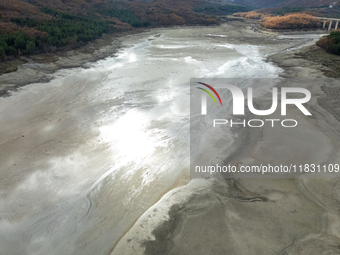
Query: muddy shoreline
{"points": [[24, 70]]}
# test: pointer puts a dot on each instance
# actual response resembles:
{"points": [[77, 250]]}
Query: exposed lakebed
{"points": [[86, 153]]}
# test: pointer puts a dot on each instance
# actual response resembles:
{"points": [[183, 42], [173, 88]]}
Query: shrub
{"points": [[11, 43], [331, 43], [20, 42], [12, 51], [322, 42], [30, 47], [291, 21]]}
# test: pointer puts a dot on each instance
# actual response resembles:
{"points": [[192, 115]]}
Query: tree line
{"points": [[13, 44], [63, 29], [59, 29], [220, 9], [125, 16]]}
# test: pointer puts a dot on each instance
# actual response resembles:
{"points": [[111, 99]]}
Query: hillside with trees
{"points": [[33, 26], [218, 8]]}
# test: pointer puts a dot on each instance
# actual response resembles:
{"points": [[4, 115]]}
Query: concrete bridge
{"points": [[330, 22]]}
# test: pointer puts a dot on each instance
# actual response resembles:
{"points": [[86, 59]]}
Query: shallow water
{"points": [[84, 155], [300, 36]]}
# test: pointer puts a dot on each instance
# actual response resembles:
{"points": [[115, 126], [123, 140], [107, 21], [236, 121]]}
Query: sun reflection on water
{"points": [[131, 137]]}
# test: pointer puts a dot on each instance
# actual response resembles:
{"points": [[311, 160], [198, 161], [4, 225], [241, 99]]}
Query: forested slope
{"points": [[33, 26]]}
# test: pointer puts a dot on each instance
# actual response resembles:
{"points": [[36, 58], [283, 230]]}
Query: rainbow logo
{"points": [[209, 93]]}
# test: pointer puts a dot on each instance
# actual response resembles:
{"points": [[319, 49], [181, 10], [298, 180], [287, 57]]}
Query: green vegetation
{"points": [[220, 9], [331, 43], [12, 44], [68, 28], [63, 30], [231, 8], [285, 10], [58, 14], [126, 16], [25, 22], [46, 29]]}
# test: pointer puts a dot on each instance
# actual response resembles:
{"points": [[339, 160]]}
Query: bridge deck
{"points": [[327, 18]]}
